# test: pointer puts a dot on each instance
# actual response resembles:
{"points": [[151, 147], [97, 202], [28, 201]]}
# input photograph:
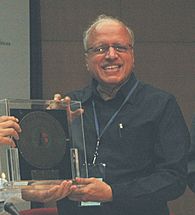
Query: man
{"points": [[9, 129], [136, 131]]}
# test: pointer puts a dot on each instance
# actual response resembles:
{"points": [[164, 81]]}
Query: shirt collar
{"points": [[90, 91], [124, 91]]}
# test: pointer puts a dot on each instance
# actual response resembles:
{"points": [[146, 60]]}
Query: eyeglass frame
{"points": [[116, 47]]}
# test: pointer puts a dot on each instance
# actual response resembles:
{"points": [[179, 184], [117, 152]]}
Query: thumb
{"points": [[83, 181]]}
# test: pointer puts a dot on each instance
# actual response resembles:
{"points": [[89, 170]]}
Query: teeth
{"points": [[112, 67]]}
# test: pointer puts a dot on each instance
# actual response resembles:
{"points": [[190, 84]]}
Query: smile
{"points": [[111, 67]]}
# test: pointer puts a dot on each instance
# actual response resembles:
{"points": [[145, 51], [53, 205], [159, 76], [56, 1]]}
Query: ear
{"points": [[87, 66], [86, 61], [133, 58]]}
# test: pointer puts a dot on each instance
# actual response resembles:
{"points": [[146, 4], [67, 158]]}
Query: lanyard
{"points": [[97, 127]]}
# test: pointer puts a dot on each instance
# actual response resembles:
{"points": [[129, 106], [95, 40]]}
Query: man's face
{"points": [[111, 66]]}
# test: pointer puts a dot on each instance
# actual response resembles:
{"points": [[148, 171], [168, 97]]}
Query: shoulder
{"points": [[153, 100], [148, 92]]}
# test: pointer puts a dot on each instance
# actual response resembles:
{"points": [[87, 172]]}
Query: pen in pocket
{"points": [[120, 127]]}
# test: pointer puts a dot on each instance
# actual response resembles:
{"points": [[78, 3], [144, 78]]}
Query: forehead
{"points": [[109, 32]]}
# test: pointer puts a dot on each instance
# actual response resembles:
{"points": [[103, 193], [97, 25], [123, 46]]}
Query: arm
{"points": [[56, 192], [167, 180]]}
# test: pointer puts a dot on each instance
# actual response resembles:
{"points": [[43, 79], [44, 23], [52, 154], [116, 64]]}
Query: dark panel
{"points": [[66, 20], [161, 20], [63, 67], [35, 51], [170, 67]]}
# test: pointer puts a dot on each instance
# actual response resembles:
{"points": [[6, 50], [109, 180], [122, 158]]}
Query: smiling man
{"points": [[110, 57], [109, 54], [136, 137]]}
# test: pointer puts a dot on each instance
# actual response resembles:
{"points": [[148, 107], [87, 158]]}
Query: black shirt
{"points": [[146, 159]]}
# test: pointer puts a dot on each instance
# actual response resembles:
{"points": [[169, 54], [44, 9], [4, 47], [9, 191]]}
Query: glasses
{"points": [[103, 49]]}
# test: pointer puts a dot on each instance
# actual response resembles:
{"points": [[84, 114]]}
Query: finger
{"points": [[17, 127], [84, 181], [14, 125], [7, 141], [9, 132], [78, 112], [60, 191], [57, 97], [77, 193], [75, 197], [7, 118], [67, 100], [8, 123], [55, 103], [51, 195], [72, 114], [65, 187]]}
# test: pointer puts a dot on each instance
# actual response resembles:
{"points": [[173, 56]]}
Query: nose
{"points": [[111, 53]]}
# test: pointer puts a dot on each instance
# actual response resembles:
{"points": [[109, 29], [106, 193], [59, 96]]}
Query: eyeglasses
{"points": [[103, 49]]}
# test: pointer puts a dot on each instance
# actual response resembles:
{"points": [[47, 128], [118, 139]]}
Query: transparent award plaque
{"points": [[51, 146]]}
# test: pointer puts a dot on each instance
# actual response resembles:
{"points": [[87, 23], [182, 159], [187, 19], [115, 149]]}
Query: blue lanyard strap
{"points": [[97, 127]]}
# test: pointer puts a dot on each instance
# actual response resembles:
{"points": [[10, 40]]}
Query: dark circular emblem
{"points": [[42, 140]]}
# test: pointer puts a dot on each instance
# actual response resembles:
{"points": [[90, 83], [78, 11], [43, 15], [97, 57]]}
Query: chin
{"points": [[111, 83]]}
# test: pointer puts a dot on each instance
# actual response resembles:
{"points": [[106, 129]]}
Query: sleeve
{"points": [[167, 181]]}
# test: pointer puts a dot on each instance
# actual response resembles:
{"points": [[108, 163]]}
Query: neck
{"points": [[108, 92]]}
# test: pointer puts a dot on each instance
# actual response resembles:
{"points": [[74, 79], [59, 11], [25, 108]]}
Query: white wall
{"points": [[14, 49], [14, 57]]}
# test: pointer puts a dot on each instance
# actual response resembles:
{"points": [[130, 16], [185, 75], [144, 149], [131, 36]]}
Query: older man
{"points": [[133, 131]]}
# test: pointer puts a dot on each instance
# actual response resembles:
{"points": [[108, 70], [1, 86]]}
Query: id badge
{"points": [[97, 171]]}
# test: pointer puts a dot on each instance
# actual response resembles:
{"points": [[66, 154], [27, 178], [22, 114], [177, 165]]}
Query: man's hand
{"points": [[55, 193], [91, 189], [57, 104], [9, 128]]}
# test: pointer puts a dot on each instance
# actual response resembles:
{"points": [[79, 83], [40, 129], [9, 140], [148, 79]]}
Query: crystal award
{"points": [[51, 146]]}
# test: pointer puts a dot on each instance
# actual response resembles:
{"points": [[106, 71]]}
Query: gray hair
{"points": [[101, 19]]}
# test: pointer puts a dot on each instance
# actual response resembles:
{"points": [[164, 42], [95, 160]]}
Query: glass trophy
{"points": [[51, 146]]}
